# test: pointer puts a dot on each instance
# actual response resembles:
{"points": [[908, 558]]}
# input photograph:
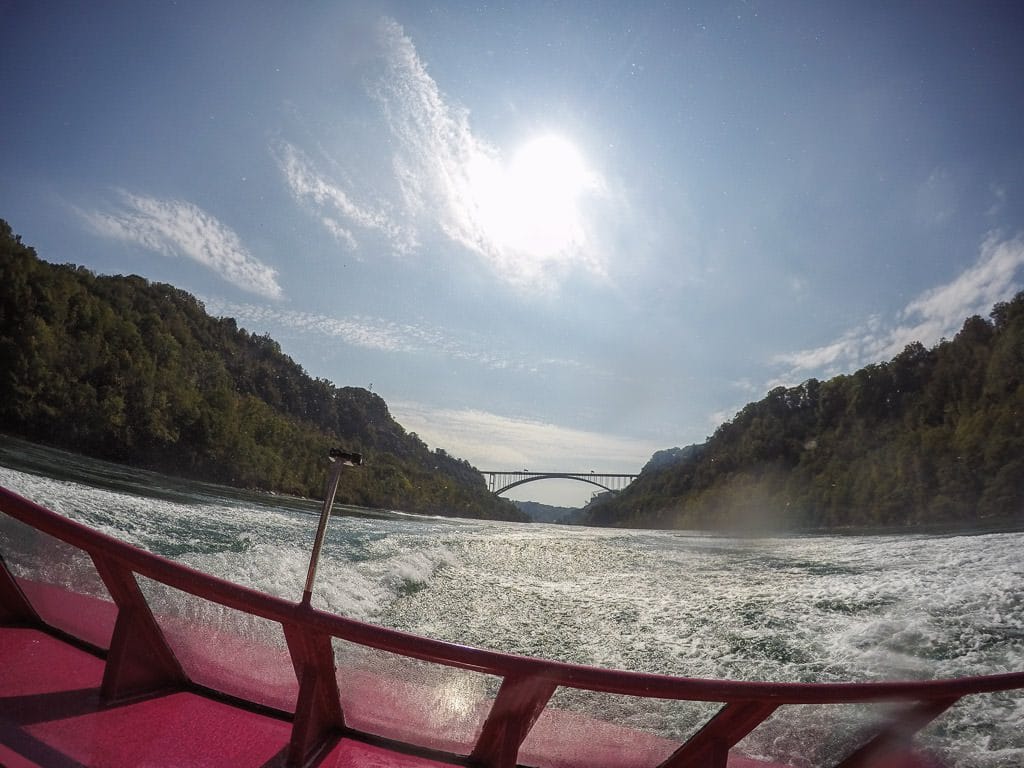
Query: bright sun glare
{"points": [[531, 204]]}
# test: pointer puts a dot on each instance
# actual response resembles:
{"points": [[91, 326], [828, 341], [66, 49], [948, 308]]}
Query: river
{"points": [[794, 608]]}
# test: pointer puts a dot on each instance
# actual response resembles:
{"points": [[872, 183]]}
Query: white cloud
{"points": [[179, 228], [328, 200], [935, 314], [489, 441], [990, 280], [447, 172], [381, 335], [367, 333], [447, 180], [345, 236]]}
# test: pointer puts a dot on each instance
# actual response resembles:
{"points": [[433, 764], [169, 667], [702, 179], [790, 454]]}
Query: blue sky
{"points": [[550, 235]]}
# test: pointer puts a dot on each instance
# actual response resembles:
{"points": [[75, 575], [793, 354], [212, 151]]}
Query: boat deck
{"points": [[52, 714]]}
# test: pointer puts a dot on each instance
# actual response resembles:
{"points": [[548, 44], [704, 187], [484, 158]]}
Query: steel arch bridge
{"points": [[501, 480]]}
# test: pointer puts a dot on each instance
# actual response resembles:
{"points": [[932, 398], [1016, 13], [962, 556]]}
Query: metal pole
{"points": [[338, 459]]}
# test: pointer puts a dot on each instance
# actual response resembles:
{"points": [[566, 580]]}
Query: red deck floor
{"points": [[51, 715]]}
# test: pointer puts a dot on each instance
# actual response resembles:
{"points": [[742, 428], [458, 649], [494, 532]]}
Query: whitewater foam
{"points": [[801, 608]]}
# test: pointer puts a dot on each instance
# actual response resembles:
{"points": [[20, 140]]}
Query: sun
{"points": [[530, 206]]}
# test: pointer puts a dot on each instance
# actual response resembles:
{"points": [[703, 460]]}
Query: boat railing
{"points": [[144, 655]]}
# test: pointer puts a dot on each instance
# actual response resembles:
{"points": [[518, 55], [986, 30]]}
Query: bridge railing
{"points": [[345, 678]]}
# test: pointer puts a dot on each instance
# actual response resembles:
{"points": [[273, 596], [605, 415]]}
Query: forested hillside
{"points": [[934, 437], [137, 372]]}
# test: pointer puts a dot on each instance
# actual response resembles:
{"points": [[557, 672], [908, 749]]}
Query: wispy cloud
{"points": [[935, 314], [382, 335], [443, 168], [332, 204], [446, 180], [367, 333], [179, 228], [491, 441]]}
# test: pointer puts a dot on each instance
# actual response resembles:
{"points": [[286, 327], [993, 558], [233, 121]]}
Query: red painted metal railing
{"points": [[141, 661]]}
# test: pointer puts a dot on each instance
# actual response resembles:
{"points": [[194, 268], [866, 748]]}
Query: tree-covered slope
{"points": [[124, 369], [932, 437]]}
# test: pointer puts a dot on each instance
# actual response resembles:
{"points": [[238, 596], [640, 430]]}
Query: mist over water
{"points": [[802, 608]]}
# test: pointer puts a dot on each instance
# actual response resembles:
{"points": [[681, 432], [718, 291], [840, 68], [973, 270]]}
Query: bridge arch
{"points": [[499, 481], [510, 486]]}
